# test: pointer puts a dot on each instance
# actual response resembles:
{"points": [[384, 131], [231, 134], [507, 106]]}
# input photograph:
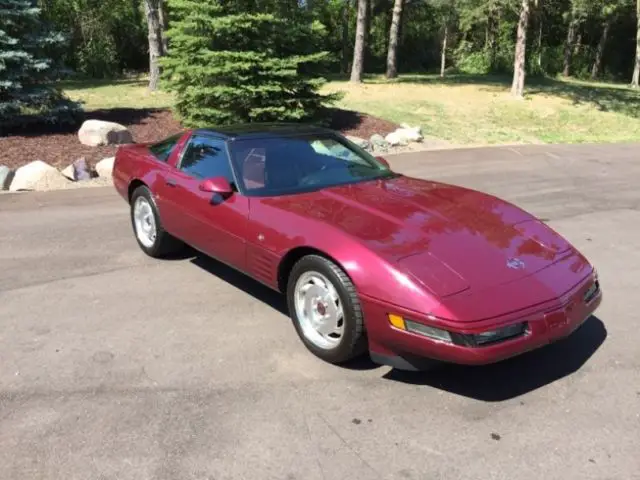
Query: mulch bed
{"points": [[60, 148]]}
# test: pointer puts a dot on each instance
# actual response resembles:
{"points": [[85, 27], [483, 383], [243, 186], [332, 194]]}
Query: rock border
{"points": [[405, 136], [40, 176]]}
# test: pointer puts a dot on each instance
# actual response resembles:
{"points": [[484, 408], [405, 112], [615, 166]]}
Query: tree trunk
{"points": [[517, 87], [540, 25], [394, 31], [486, 35], [443, 54], [578, 45], [597, 64], [164, 25], [568, 47], [357, 68], [155, 42], [345, 35], [367, 31], [635, 82], [490, 40]]}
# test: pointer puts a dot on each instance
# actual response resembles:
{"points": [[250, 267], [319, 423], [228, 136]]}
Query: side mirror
{"points": [[383, 161], [216, 185]]}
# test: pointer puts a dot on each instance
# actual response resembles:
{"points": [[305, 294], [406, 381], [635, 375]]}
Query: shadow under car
{"points": [[491, 383], [516, 376]]}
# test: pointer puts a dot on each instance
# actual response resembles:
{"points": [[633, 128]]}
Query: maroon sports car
{"points": [[369, 259]]}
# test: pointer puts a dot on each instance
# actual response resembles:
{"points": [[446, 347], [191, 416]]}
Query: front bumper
{"points": [[546, 324]]}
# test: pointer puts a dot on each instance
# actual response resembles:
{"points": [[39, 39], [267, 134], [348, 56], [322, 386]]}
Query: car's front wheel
{"points": [[150, 235], [326, 310]]}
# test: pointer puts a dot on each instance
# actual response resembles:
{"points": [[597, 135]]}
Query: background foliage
{"points": [[108, 37], [238, 60], [28, 51]]}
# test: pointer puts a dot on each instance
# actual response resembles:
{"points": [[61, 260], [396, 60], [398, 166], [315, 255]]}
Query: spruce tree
{"points": [[25, 71], [229, 66]]}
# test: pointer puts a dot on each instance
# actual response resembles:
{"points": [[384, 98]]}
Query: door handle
{"points": [[171, 183]]}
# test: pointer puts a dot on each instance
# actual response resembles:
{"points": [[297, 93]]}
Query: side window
{"points": [[206, 158], [253, 168], [163, 149]]}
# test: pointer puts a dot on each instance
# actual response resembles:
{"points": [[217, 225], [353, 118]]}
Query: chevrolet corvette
{"points": [[370, 261]]}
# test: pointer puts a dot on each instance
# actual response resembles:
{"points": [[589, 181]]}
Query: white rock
{"points": [[402, 136], [413, 134], [38, 175], [69, 172], [96, 132], [395, 138], [105, 166]]}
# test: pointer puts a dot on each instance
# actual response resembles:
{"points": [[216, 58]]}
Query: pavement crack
{"points": [[349, 447]]}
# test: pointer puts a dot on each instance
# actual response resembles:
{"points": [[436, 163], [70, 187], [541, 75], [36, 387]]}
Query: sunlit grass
{"points": [[479, 110], [463, 110], [130, 93]]}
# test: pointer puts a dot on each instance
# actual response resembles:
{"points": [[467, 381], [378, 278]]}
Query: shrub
{"points": [[469, 61], [25, 71], [229, 67]]}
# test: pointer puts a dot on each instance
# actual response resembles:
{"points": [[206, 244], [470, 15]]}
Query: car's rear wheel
{"points": [[325, 310], [150, 235]]}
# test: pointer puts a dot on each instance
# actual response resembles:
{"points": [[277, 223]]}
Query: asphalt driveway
{"points": [[116, 366]]}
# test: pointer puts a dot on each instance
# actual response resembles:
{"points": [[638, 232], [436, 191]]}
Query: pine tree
{"points": [[25, 71], [229, 66]]}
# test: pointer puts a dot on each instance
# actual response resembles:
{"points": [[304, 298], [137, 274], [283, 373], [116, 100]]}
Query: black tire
{"points": [[164, 244], [353, 342]]}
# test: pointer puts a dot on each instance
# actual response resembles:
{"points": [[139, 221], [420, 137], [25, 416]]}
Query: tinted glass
{"points": [[279, 166], [163, 149], [206, 158]]}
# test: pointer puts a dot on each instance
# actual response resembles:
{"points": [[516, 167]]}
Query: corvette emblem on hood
{"points": [[515, 263]]}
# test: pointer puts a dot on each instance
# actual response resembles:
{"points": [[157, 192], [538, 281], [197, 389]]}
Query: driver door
{"points": [[210, 223]]}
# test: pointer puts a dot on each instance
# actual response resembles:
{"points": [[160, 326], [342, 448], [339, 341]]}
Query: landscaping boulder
{"points": [[378, 142], [105, 166], [396, 138], [6, 175], [412, 134], [361, 142], [81, 169], [68, 172], [404, 135], [78, 170], [97, 132], [38, 175]]}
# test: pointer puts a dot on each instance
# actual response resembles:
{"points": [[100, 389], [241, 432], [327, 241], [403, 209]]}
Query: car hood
{"points": [[448, 238]]}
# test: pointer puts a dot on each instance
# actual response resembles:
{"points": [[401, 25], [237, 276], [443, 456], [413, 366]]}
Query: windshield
{"points": [[287, 165]]}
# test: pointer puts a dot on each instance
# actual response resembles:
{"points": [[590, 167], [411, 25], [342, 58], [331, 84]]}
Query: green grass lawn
{"points": [[479, 110], [461, 109], [129, 93]]}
